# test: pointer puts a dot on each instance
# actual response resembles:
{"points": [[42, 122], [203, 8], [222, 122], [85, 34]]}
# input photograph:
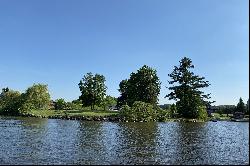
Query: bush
{"points": [[126, 113], [10, 102], [173, 111], [202, 113], [139, 111], [60, 104], [73, 106], [163, 115]]}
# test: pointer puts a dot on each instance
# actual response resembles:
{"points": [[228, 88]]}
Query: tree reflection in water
{"points": [[138, 142]]}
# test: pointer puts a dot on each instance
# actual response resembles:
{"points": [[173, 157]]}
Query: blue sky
{"points": [[56, 42]]}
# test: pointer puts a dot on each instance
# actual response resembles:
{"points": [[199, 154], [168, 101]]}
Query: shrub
{"points": [[202, 113], [10, 102], [163, 115], [173, 111], [126, 113], [139, 111], [60, 104], [26, 108]]}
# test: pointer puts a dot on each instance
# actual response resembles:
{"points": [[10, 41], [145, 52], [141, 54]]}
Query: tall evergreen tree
{"points": [[241, 106], [186, 89]]}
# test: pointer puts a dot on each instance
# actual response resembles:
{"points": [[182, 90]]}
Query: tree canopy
{"points": [[60, 104], [186, 91], [93, 89], [108, 101], [144, 85], [37, 96], [241, 106], [10, 101]]}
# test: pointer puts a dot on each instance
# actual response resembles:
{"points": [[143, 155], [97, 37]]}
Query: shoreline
{"points": [[116, 118]]}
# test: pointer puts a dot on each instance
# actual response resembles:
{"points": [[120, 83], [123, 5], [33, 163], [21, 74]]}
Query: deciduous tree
{"points": [[10, 101], [108, 101], [37, 96], [144, 85], [93, 89]]}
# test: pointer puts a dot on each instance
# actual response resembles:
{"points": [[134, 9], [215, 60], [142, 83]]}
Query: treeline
{"points": [[16, 103], [138, 100], [231, 109], [37, 97]]}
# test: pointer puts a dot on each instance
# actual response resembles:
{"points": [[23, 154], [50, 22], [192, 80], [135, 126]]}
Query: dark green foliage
{"points": [[165, 106], [141, 86], [162, 114], [77, 101], [10, 102], [173, 111], [14, 103], [139, 111], [247, 107], [241, 106], [5, 90], [185, 89], [226, 109], [123, 99], [92, 89], [60, 104], [220, 111]]}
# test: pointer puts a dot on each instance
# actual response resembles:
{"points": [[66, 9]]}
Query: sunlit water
{"points": [[54, 141]]}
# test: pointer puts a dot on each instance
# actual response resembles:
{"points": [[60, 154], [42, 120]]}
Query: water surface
{"points": [[55, 141]]}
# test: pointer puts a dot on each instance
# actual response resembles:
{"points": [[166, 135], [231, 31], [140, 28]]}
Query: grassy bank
{"points": [[70, 113], [97, 115], [101, 115]]}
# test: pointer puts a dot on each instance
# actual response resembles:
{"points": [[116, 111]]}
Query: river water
{"points": [[55, 141]]}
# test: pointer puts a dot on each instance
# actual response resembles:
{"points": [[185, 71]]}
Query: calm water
{"points": [[53, 141]]}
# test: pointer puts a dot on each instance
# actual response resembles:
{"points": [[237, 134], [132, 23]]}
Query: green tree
{"points": [[77, 101], [10, 102], [37, 97], [60, 104], [5, 89], [241, 106], [123, 89], [144, 85], [76, 105], [247, 107], [186, 90], [108, 101], [173, 111], [93, 89]]}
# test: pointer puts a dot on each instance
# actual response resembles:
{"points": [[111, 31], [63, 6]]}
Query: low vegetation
{"points": [[69, 113]]}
